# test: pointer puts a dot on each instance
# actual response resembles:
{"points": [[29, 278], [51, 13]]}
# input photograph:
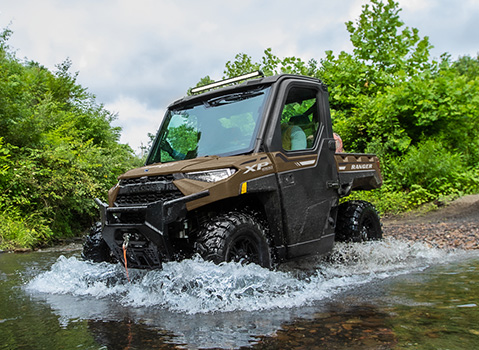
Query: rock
{"points": [[453, 226]]}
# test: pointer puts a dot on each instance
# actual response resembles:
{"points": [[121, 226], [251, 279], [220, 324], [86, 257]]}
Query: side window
{"points": [[299, 120]]}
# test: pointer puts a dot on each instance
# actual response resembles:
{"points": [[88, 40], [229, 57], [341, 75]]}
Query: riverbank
{"points": [[453, 225]]}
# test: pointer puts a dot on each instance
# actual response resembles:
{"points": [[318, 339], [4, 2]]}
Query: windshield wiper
{"points": [[231, 98]]}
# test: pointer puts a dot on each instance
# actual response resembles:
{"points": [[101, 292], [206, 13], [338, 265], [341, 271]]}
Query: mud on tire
{"points": [[358, 221], [236, 236], [95, 248]]}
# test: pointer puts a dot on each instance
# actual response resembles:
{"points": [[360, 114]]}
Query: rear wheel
{"points": [[95, 248], [358, 221], [235, 236]]}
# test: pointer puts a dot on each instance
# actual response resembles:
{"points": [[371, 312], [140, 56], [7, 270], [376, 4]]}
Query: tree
{"points": [[386, 55], [381, 42], [467, 66], [388, 97], [58, 151], [270, 64]]}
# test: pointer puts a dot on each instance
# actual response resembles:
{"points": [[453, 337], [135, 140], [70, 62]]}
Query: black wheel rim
{"points": [[368, 230], [245, 250]]}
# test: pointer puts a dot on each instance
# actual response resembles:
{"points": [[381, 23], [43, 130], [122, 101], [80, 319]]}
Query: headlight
{"points": [[211, 175]]}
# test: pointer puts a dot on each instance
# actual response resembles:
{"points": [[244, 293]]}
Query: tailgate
{"points": [[358, 171]]}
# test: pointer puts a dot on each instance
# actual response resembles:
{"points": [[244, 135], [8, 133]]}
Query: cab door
{"points": [[306, 169]]}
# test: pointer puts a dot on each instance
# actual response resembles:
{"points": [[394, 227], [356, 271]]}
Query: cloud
{"points": [[136, 119], [450, 26], [138, 56]]}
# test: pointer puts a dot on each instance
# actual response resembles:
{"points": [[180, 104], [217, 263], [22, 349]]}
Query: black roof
{"points": [[245, 85]]}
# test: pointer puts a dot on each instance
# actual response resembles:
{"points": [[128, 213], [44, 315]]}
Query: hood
{"points": [[189, 165]]}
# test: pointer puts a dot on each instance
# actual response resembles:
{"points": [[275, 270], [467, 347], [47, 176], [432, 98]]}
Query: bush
{"points": [[22, 232], [384, 199], [428, 167], [58, 151]]}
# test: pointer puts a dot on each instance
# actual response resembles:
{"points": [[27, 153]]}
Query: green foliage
{"points": [[18, 231], [388, 97], [363, 85], [389, 50], [58, 151], [269, 65], [428, 165], [203, 81], [468, 67], [384, 199]]}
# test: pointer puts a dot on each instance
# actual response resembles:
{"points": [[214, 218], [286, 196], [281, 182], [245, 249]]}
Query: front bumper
{"points": [[148, 243]]}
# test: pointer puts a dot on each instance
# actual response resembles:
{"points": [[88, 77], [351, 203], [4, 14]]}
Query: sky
{"points": [[138, 56]]}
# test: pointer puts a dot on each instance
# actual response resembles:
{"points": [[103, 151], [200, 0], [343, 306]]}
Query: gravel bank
{"points": [[455, 225]]}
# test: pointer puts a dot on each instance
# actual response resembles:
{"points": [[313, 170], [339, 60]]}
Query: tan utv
{"points": [[247, 172]]}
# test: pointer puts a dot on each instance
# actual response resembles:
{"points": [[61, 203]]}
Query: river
{"points": [[381, 295]]}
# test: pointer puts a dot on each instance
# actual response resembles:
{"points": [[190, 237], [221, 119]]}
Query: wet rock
{"points": [[455, 226]]}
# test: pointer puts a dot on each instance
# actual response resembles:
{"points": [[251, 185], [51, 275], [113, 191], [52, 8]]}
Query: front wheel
{"points": [[95, 248], [235, 236], [358, 221]]}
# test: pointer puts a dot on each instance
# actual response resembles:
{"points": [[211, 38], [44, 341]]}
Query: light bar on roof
{"points": [[227, 81]]}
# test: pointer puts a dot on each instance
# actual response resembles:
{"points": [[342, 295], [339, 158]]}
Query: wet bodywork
{"points": [[150, 202], [157, 211]]}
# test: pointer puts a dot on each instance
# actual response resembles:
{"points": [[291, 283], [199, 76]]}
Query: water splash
{"points": [[195, 286]]}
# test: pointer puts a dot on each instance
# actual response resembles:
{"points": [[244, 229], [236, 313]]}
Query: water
{"points": [[388, 294]]}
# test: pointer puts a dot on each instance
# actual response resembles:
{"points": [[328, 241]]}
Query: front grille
{"points": [[147, 189], [143, 179]]}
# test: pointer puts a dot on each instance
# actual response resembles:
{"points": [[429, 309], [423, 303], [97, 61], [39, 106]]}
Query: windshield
{"points": [[225, 125]]}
